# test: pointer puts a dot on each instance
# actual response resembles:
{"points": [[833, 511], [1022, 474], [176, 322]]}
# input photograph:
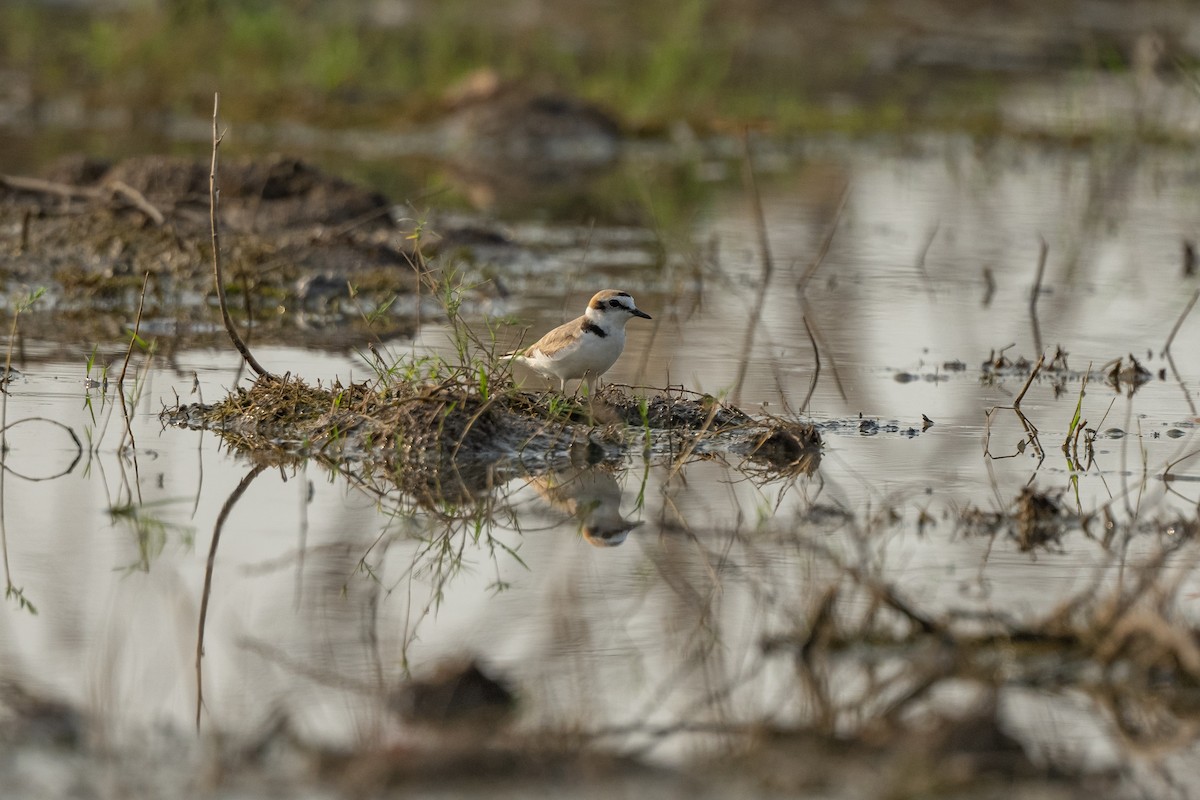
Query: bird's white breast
{"points": [[590, 354]]}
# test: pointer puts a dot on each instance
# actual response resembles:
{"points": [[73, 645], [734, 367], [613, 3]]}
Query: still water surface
{"points": [[326, 598]]}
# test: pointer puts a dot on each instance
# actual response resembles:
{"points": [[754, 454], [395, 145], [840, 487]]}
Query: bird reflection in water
{"points": [[591, 495]]}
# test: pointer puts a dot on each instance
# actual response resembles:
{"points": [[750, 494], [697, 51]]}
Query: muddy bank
{"points": [[309, 257], [90, 231]]}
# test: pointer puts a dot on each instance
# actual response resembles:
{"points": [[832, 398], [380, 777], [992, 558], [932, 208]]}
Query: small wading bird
{"points": [[585, 347]]}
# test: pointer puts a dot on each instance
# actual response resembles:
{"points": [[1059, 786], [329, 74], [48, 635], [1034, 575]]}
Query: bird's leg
{"points": [[590, 379]]}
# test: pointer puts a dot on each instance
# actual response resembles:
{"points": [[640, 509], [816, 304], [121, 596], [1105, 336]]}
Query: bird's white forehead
{"points": [[601, 299]]}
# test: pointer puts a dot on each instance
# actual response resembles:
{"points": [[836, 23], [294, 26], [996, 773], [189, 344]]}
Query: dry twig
{"points": [[216, 252]]}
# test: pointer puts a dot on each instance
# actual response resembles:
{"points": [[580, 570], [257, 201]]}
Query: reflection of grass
{"points": [[17, 306], [150, 531], [17, 593]]}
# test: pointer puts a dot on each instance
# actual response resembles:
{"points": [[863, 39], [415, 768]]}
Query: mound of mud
{"points": [[90, 225]]}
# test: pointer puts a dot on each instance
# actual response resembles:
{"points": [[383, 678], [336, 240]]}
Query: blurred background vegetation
{"points": [[855, 66]]}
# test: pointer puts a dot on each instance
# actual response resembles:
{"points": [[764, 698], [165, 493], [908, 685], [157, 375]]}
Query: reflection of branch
{"points": [[825, 244], [704, 648], [933, 232], [304, 669], [1135, 725], [9, 589], [1187, 395], [199, 448], [1167, 478], [801, 285], [812, 386], [887, 595], [230, 502], [1179, 322], [764, 249], [70, 432], [1037, 290]]}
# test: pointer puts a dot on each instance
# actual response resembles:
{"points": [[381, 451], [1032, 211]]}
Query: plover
{"points": [[585, 347]]}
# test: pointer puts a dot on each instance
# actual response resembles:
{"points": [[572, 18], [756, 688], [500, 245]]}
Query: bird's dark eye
{"points": [[614, 303]]}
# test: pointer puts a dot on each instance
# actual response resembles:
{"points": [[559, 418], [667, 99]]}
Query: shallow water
{"points": [[326, 598]]}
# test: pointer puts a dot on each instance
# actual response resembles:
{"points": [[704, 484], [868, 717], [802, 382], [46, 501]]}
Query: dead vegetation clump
{"points": [[448, 442], [431, 422], [782, 445], [1040, 519], [27, 717], [1124, 644], [1035, 520], [674, 411], [999, 365], [791, 448], [415, 421]]}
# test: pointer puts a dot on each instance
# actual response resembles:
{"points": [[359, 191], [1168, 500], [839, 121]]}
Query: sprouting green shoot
{"points": [[483, 381]]}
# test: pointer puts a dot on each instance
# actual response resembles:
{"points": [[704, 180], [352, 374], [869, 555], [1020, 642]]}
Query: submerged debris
{"points": [[29, 717], [1118, 373], [999, 365], [867, 426], [1037, 520], [455, 694], [1040, 518], [1126, 376]]}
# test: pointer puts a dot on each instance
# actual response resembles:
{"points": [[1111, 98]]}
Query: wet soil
{"points": [[290, 233]]}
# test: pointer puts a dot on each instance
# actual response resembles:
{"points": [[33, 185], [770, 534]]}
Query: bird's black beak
{"points": [[637, 312]]}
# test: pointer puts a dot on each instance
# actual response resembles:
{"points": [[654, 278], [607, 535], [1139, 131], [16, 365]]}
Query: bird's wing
{"points": [[557, 340]]}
